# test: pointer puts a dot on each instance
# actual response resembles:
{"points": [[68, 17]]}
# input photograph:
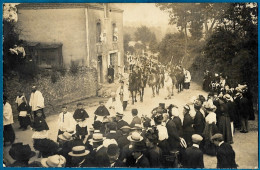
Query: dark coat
{"points": [[142, 163], [121, 123], [102, 111], [244, 107], [155, 157], [126, 156], [23, 107], [134, 81], [40, 124], [178, 124], [123, 141], [20, 164], [188, 130], [231, 110], [226, 156], [199, 123], [136, 120], [80, 114], [193, 158], [173, 139], [118, 164], [101, 158]]}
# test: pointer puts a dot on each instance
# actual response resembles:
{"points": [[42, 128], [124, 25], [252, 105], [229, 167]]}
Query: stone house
{"points": [[89, 34]]}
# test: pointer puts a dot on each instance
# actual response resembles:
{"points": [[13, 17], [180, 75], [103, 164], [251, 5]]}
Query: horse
{"points": [[133, 86], [180, 76], [153, 81]]}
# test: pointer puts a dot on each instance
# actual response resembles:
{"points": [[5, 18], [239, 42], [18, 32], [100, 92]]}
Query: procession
{"points": [[135, 110]]}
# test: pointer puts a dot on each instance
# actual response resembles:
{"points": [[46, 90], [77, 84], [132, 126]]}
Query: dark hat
{"points": [[197, 104], [152, 135], [46, 146], [112, 125], [80, 114], [119, 114], [162, 105], [21, 152], [158, 118], [138, 146], [217, 136], [112, 149], [202, 98], [79, 104], [134, 111], [97, 125]]}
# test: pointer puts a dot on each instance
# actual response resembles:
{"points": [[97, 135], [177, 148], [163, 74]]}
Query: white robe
{"points": [[114, 106], [7, 114], [36, 101]]}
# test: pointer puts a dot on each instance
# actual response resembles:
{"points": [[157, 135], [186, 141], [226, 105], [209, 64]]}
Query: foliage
{"points": [[232, 48], [60, 69], [144, 34], [171, 48], [74, 68], [127, 39], [27, 70], [54, 77]]}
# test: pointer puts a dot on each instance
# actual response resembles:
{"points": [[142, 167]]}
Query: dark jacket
{"points": [[121, 123], [136, 120], [113, 135], [226, 156], [40, 124], [178, 124], [244, 107], [154, 155], [199, 123], [173, 139], [193, 158], [122, 141], [102, 111], [231, 110], [101, 158], [188, 130], [142, 163]]}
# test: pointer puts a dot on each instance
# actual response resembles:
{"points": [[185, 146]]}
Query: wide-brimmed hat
{"points": [[138, 147], [21, 152], [97, 137], [65, 136], [209, 105], [79, 151], [137, 127], [54, 161], [135, 137], [112, 149]]}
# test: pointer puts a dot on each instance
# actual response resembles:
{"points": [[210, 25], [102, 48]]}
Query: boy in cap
{"points": [[80, 115], [193, 155], [225, 153]]}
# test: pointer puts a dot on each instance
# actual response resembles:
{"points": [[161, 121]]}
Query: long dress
{"points": [[210, 129], [224, 125]]}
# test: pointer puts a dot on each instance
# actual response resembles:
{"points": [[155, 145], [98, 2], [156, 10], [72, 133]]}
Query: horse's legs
{"points": [[153, 90], [132, 95], [141, 94], [135, 95]]}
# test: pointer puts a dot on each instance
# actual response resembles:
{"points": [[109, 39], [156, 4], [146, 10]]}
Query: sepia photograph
{"points": [[130, 85]]}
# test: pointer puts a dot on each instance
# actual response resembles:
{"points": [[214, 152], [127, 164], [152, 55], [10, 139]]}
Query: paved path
{"points": [[245, 145]]}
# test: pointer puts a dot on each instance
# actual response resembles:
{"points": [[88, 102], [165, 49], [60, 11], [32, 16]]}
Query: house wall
{"points": [[66, 26]]}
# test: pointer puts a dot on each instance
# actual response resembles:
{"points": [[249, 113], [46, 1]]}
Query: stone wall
{"points": [[67, 89]]}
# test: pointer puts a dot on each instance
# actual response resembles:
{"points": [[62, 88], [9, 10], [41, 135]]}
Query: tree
{"points": [[144, 35], [171, 48]]}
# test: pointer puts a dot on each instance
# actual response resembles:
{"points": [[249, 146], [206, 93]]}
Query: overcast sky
{"points": [[143, 13]]}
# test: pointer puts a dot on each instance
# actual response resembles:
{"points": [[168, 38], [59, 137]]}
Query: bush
{"points": [[54, 77], [28, 70], [74, 68], [61, 69]]}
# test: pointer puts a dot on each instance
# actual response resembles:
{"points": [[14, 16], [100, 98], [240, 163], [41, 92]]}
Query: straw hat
{"points": [[65, 136], [53, 161], [97, 137], [79, 151], [135, 137]]}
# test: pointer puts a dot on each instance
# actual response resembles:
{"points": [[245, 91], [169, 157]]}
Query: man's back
{"points": [[193, 158]]}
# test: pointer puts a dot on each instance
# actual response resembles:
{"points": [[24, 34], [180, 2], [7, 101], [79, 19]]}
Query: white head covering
{"points": [[175, 112]]}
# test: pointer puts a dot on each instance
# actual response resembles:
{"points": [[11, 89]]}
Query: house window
{"points": [[114, 32], [98, 32]]}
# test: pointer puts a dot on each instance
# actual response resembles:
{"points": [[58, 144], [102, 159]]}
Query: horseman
{"points": [[134, 83]]}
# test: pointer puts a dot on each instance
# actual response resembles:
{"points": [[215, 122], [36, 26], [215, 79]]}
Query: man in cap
{"points": [[136, 119], [141, 160], [225, 153], [66, 122], [120, 121], [36, 101], [193, 155], [78, 155]]}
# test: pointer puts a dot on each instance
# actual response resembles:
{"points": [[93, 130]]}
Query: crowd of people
{"points": [[160, 139]]}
